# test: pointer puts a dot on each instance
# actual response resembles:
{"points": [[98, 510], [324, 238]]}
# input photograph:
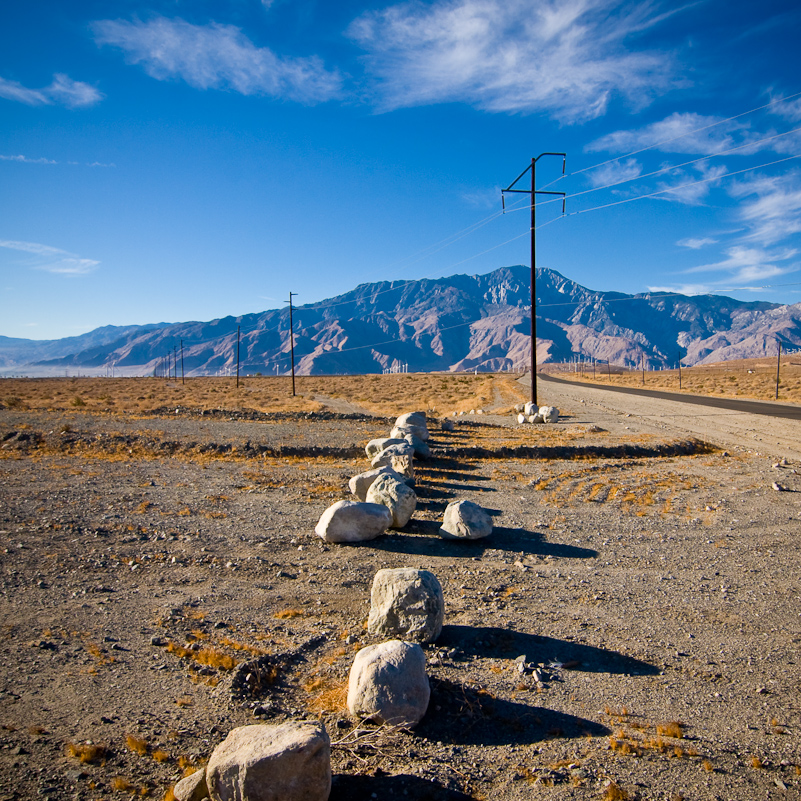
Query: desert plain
{"points": [[630, 630]]}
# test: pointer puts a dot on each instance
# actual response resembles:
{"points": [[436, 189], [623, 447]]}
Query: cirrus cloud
{"points": [[51, 259], [216, 56], [567, 58], [63, 91]]}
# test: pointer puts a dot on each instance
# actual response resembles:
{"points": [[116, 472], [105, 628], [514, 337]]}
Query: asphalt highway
{"points": [[768, 408]]}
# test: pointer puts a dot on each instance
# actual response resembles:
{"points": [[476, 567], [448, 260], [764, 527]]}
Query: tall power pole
{"points": [[292, 341], [534, 192]]}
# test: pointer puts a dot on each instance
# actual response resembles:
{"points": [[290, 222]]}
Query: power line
{"points": [[687, 133], [683, 186]]}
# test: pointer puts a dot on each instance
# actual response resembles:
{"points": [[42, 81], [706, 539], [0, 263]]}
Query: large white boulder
{"points": [[404, 466], [352, 521], [403, 448], [388, 684], [279, 762], [530, 408], [465, 520], [192, 787], [406, 603], [360, 483], [399, 498], [549, 414], [421, 449], [375, 446], [413, 423]]}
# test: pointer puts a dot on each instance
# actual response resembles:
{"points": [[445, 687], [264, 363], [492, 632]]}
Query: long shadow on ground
{"points": [[514, 540], [366, 788], [472, 716], [497, 643]]}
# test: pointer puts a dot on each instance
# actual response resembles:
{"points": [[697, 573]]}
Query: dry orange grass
{"points": [[745, 378], [382, 394]]}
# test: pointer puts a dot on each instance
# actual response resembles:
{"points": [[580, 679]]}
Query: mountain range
{"points": [[478, 322]]}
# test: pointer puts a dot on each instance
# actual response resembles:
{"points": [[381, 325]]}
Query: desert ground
{"points": [[630, 630]]}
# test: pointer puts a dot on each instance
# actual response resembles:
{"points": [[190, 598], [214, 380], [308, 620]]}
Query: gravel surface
{"points": [[630, 629]]}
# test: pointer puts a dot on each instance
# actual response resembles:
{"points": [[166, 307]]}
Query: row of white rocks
{"points": [[388, 684], [385, 497], [532, 413]]}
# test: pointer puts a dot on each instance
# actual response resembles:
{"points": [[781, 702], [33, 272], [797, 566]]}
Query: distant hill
{"points": [[478, 322]]}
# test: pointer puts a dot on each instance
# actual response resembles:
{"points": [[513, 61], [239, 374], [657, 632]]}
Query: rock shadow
{"points": [[347, 787], [437, 490], [471, 716], [513, 540], [497, 643]]}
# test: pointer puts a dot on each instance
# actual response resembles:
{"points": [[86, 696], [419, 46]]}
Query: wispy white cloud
{"points": [[678, 133], [483, 198], [32, 247], [615, 172], [51, 259], [26, 160], [217, 56], [771, 206], [63, 91], [685, 188], [567, 58], [69, 266], [744, 264], [696, 243]]}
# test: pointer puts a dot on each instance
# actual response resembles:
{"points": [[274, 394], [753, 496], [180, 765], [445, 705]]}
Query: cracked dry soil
{"points": [[630, 630]]}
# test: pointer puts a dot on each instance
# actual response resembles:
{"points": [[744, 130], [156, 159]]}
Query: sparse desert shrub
{"points": [[136, 744], [86, 753]]}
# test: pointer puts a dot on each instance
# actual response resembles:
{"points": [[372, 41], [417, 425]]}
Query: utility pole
{"points": [[182, 362], [679, 371], [237, 357], [292, 342], [778, 365], [534, 192]]}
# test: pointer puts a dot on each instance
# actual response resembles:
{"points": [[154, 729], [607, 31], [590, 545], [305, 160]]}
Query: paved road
{"points": [[785, 410]]}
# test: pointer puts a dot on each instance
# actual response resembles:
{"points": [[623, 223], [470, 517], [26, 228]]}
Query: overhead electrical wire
{"points": [[440, 245]]}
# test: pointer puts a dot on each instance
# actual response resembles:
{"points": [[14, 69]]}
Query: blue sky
{"points": [[174, 160]]}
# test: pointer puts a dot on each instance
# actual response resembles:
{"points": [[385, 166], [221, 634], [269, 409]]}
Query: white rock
{"points": [[414, 423], [385, 457], [530, 408], [421, 449], [192, 787], [465, 520], [404, 466], [351, 521], [360, 483], [375, 446], [279, 762], [549, 414], [521, 418], [406, 603], [388, 684], [534, 418], [396, 496]]}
